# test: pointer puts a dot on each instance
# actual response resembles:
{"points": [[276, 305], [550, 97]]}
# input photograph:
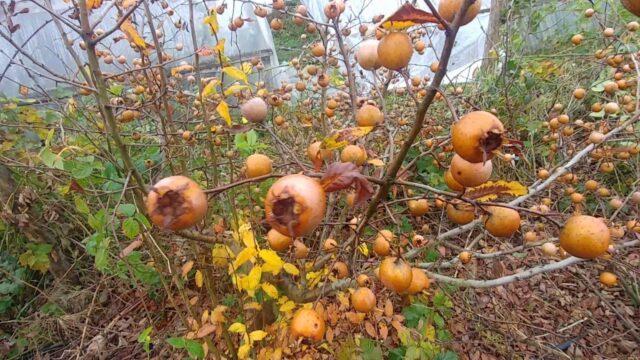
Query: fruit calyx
{"points": [[171, 204], [491, 141], [286, 210]]}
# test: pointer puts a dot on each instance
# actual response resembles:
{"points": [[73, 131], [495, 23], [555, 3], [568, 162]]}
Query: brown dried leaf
{"points": [[408, 15], [388, 308], [329, 335], [368, 327], [341, 176], [205, 330], [186, 268], [384, 330]]}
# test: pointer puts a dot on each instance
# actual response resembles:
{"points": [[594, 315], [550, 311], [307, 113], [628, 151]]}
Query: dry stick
{"points": [[396, 164], [165, 123], [519, 276], [347, 65], [102, 99]]}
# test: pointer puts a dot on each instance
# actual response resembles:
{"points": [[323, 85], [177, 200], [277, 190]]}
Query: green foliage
{"points": [[145, 339], [247, 143], [11, 287], [370, 349], [194, 348], [36, 257], [426, 324], [142, 272]]}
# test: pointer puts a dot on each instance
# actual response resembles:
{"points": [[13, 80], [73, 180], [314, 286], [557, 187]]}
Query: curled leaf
{"points": [[492, 189], [407, 16], [341, 176]]}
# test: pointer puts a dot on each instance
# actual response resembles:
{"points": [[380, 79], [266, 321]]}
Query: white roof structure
{"points": [[39, 37], [467, 54]]}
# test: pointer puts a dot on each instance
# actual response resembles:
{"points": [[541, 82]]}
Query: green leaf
{"points": [[102, 254], [145, 338], [431, 255], [438, 321], [176, 342], [126, 209], [36, 257], [81, 205], [397, 353], [52, 309], [416, 312], [51, 160], [130, 228], [370, 349], [98, 221], [144, 273], [142, 219], [448, 355], [194, 349], [79, 169]]}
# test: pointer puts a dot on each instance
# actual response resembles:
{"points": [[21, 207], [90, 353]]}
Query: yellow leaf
{"points": [[210, 88], [288, 306], [271, 268], [212, 21], [429, 332], [235, 73], [253, 279], [237, 328], [270, 290], [205, 316], [492, 189], [223, 110], [219, 255], [93, 4], [291, 269], [235, 88], [220, 46], [345, 136], [364, 249], [243, 351], [199, 278], [246, 235], [247, 68], [217, 315], [271, 257], [376, 162], [243, 256], [257, 335], [186, 268], [132, 34]]}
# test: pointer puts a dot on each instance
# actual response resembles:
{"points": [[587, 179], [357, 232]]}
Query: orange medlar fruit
{"points": [[585, 236], [363, 300], [295, 205], [278, 241], [176, 202], [476, 135], [309, 324], [395, 274], [502, 221]]}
